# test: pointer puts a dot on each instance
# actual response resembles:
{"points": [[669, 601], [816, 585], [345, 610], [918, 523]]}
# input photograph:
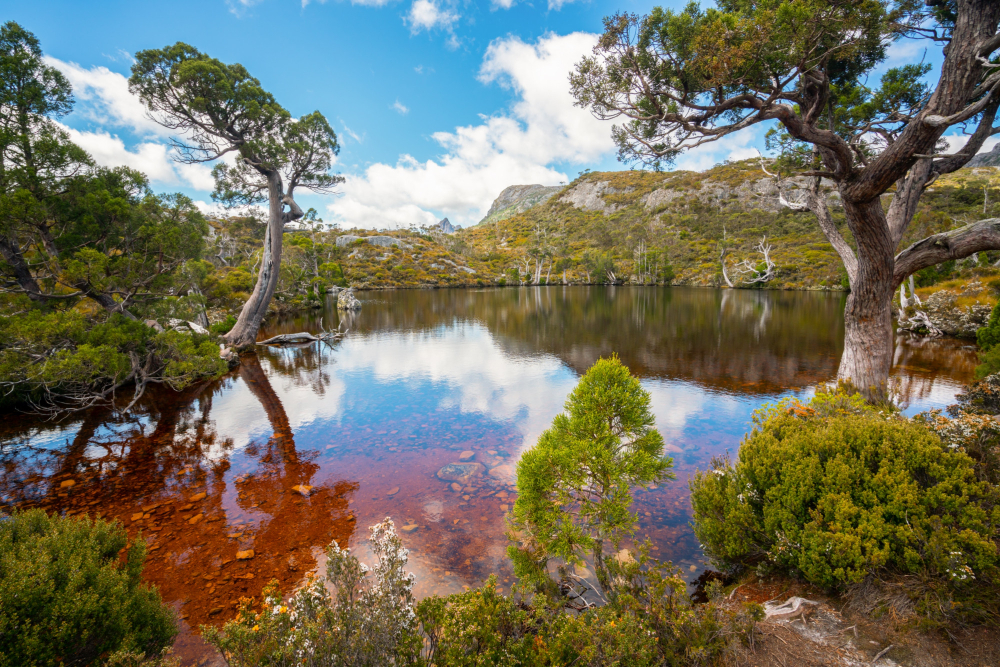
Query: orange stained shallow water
{"points": [[247, 479]]}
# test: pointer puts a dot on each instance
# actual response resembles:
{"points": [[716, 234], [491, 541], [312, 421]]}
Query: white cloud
{"points": [[542, 129], [503, 4], [102, 97], [428, 15], [957, 141], [737, 146], [153, 159], [399, 108]]}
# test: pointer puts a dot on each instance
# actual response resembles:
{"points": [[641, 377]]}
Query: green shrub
{"points": [[67, 598], [369, 622], [652, 622], [574, 486], [835, 490], [989, 335], [223, 327]]}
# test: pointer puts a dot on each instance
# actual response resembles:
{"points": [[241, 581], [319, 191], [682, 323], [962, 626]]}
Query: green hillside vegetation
{"points": [[643, 227]]}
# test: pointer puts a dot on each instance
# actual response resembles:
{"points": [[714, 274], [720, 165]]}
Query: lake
{"points": [[301, 446]]}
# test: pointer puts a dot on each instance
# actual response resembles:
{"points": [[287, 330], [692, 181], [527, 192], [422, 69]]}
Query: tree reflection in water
{"points": [[423, 376], [169, 484]]}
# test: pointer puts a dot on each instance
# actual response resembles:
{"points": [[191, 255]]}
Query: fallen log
{"points": [[287, 339]]}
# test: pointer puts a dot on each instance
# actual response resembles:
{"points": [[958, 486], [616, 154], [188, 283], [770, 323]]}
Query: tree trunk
{"points": [[22, 274], [868, 335], [244, 334]]}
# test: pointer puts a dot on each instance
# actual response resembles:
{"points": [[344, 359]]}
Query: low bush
{"points": [[68, 596], [835, 490]]}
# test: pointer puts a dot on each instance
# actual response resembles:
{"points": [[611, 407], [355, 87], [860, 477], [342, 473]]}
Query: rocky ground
{"points": [[805, 628]]}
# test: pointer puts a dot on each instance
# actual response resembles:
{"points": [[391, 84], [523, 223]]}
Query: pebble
{"points": [[409, 528], [245, 555], [67, 483], [137, 516], [196, 518], [456, 487], [467, 455], [198, 496], [302, 489], [393, 491]]}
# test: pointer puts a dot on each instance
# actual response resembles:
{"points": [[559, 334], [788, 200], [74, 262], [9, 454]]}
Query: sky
{"points": [[438, 104]]}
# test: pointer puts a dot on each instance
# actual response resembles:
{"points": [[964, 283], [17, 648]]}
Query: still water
{"points": [[423, 376]]}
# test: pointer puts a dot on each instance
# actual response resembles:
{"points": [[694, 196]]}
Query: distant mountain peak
{"points": [[446, 227], [991, 159], [518, 199]]}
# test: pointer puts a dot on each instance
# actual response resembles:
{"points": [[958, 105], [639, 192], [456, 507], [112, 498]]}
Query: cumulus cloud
{"points": [[737, 146], [153, 159], [542, 129], [399, 108], [102, 96], [429, 15]]}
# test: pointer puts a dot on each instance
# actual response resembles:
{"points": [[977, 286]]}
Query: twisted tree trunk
{"points": [[244, 334]]}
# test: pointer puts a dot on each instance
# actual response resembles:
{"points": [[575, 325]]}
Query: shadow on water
{"points": [[300, 446]]}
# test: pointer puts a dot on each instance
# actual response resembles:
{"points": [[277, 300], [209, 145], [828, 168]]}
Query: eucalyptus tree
{"points": [[217, 109], [679, 80]]}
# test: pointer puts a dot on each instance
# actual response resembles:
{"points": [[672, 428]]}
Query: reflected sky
{"points": [[303, 445]]}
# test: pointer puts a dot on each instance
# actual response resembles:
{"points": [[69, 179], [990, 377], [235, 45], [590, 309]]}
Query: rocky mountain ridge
{"points": [[518, 199]]}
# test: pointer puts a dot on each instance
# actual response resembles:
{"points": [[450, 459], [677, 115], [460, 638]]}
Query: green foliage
{"points": [[988, 337], [62, 359], [224, 326], [67, 598], [574, 486], [835, 490], [653, 623], [368, 622]]}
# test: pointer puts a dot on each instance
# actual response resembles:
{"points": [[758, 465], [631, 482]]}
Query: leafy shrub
{"points": [[574, 486], [835, 490], [652, 622], [223, 327], [67, 598], [370, 621]]}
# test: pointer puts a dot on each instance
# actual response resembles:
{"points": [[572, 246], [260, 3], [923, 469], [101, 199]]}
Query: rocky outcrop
{"points": [[589, 196], [952, 319], [380, 241], [518, 199], [948, 312], [990, 159], [760, 194], [347, 301]]}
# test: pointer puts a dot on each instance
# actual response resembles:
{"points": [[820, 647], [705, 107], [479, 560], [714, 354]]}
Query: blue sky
{"points": [[439, 104]]}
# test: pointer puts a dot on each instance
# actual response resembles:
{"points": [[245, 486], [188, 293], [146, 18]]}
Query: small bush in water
{"points": [[66, 598], [835, 490]]}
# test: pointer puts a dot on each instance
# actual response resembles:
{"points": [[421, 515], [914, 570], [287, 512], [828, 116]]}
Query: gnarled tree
{"points": [[679, 80], [218, 109]]}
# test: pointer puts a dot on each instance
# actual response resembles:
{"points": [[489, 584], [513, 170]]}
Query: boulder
{"points": [[347, 301], [153, 324], [462, 473], [197, 328]]}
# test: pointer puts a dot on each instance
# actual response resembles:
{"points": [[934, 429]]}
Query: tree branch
{"points": [[955, 244]]}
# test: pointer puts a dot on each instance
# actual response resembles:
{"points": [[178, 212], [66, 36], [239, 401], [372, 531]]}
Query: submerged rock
{"points": [[460, 472], [347, 301]]}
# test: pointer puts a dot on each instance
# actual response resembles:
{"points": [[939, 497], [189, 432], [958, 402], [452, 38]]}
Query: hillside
{"points": [[639, 227], [654, 227]]}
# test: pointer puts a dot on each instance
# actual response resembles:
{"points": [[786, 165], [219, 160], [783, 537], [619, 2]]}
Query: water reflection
{"points": [[300, 446]]}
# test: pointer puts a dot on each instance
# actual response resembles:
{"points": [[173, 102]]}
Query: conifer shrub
{"points": [[69, 596], [835, 490]]}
